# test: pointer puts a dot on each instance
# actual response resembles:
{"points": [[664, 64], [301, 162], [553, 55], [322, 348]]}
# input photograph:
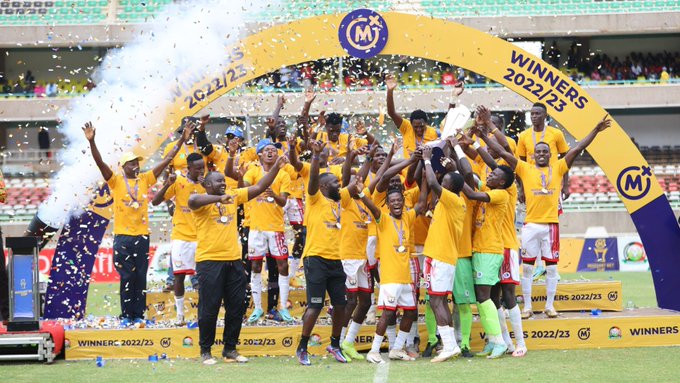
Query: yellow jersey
{"points": [[487, 234], [130, 203], [266, 215], [217, 237], [339, 148], [542, 190], [183, 226], [411, 141], [322, 216], [354, 219], [529, 138], [395, 249], [179, 162], [446, 228]]}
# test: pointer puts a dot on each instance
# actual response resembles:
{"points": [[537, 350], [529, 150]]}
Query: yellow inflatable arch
{"points": [[364, 33]]}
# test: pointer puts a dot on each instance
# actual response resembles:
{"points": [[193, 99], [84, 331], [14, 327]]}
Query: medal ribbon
{"points": [[336, 214], [363, 212], [533, 135], [136, 188], [400, 231], [545, 181]]}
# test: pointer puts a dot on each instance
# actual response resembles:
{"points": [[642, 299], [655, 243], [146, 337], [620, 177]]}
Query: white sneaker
{"points": [[180, 319], [396, 354], [446, 355], [374, 357]]}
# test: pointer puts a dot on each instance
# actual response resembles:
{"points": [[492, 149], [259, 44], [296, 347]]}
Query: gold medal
{"points": [[270, 199], [401, 249], [338, 225], [135, 205], [223, 219], [544, 191]]}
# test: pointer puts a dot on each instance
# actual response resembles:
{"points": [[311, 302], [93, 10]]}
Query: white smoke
{"points": [[131, 99]]}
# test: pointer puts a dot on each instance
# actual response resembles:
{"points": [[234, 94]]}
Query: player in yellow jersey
{"points": [[415, 130], [131, 221], [488, 126], [395, 232], [218, 260], [527, 140], [183, 251], [338, 142], [487, 243], [540, 235], [440, 250], [321, 258], [266, 237]]}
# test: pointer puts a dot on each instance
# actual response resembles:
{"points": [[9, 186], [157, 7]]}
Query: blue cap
{"points": [[266, 142], [235, 130]]}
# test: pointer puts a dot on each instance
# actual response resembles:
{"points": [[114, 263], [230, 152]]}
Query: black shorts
{"points": [[324, 275]]}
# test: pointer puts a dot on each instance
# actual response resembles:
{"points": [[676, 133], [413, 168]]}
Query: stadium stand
{"points": [[135, 11]]}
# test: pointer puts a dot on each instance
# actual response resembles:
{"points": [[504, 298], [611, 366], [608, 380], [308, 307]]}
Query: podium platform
{"points": [[629, 328], [571, 296]]}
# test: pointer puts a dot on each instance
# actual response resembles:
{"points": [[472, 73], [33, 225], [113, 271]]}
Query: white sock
{"points": [[343, 333], [401, 340], [391, 335], [411, 337], [256, 289], [527, 280], [352, 332], [448, 339], [504, 328], [284, 288], [516, 322], [294, 267], [550, 285], [496, 339], [179, 305], [377, 342]]}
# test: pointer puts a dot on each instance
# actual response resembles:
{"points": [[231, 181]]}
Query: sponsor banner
{"points": [[632, 255], [539, 334], [579, 296], [571, 296], [599, 254]]}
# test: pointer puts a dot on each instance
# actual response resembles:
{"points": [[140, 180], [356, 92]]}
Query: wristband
{"points": [[494, 130], [476, 145], [459, 151], [361, 195], [428, 162]]}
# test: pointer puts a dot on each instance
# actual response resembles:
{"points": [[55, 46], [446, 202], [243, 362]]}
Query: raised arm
{"points": [[421, 205], [366, 166], [356, 190], [310, 95], [396, 169], [160, 195], [293, 156], [229, 171], [313, 184], [507, 156], [265, 182], [204, 146], [462, 161], [484, 117], [432, 182], [186, 133], [391, 84], [106, 171], [383, 168], [583, 144]]}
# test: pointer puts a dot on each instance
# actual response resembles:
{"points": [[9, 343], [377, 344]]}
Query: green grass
{"points": [[638, 289], [612, 365]]}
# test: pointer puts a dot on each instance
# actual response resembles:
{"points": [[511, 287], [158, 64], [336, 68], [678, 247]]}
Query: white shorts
{"points": [[510, 267], [439, 277], [295, 211], [370, 250], [358, 275], [267, 243], [395, 296], [541, 240], [183, 257], [416, 271]]}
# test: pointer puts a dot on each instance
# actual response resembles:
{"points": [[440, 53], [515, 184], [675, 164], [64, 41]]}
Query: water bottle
{"points": [[100, 361]]}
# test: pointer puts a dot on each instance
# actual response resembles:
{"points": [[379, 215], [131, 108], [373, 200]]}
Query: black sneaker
{"points": [[429, 349], [234, 357], [466, 353], [207, 359]]}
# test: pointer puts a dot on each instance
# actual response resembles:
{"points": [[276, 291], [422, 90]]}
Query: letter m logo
{"points": [[633, 182], [364, 34]]}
